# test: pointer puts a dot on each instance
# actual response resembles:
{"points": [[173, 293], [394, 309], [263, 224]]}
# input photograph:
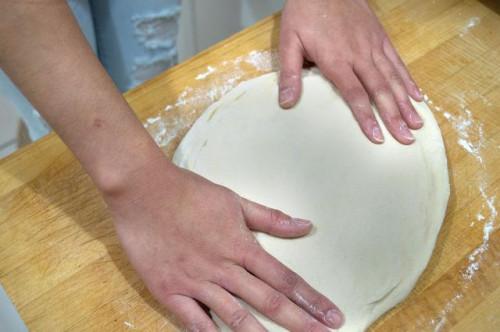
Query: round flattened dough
{"points": [[377, 209]]}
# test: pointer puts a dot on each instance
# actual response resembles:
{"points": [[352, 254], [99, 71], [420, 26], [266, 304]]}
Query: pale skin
{"points": [[350, 47], [190, 239]]}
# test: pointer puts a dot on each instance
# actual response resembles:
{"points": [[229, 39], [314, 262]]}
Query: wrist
{"points": [[125, 170]]}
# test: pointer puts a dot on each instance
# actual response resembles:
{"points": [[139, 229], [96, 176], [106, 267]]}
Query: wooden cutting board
{"points": [[62, 265]]}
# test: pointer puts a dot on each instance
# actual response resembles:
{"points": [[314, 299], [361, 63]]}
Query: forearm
{"points": [[46, 55]]}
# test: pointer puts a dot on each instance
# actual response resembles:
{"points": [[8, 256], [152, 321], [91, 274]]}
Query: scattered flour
{"points": [[164, 128], [477, 255], [470, 133], [479, 217], [204, 75], [470, 137], [440, 321], [129, 325], [262, 61], [471, 23]]}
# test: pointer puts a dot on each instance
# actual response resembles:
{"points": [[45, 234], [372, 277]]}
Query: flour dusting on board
{"points": [[470, 24], [470, 137], [129, 325], [262, 61], [476, 256], [440, 321], [470, 133], [204, 75], [164, 128]]}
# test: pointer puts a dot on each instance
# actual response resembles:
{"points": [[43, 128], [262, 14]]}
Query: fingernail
{"points": [[334, 318], [405, 132], [301, 222], [377, 134], [286, 96]]}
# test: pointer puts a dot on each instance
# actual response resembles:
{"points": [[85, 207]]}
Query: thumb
{"points": [[274, 222], [291, 61]]}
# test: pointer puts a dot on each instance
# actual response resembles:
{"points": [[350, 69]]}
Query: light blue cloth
{"points": [[9, 318], [135, 40]]}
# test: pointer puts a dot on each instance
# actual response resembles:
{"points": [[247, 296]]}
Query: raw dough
{"points": [[377, 209]]}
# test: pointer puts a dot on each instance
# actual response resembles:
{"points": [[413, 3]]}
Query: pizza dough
{"points": [[377, 209]]}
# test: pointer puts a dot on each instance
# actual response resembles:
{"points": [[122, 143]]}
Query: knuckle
{"points": [[342, 63], [273, 304], [356, 96], [381, 90], [290, 281], [232, 200], [404, 106], [360, 108], [367, 118], [363, 113], [276, 216], [319, 304], [329, 60], [250, 254], [394, 118], [196, 271], [397, 118], [223, 275], [238, 318], [200, 326], [166, 287], [201, 291], [313, 326], [395, 78], [335, 68], [362, 65], [378, 59]]}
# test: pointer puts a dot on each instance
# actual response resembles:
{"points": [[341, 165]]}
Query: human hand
{"points": [[190, 240], [350, 47]]}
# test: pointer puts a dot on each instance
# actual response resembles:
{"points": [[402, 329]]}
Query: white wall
{"points": [[205, 22]]}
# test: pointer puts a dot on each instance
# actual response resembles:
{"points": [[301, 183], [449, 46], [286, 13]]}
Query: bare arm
{"points": [[182, 233], [46, 55]]}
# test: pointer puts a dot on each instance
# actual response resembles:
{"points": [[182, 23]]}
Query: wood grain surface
{"points": [[63, 267]]}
